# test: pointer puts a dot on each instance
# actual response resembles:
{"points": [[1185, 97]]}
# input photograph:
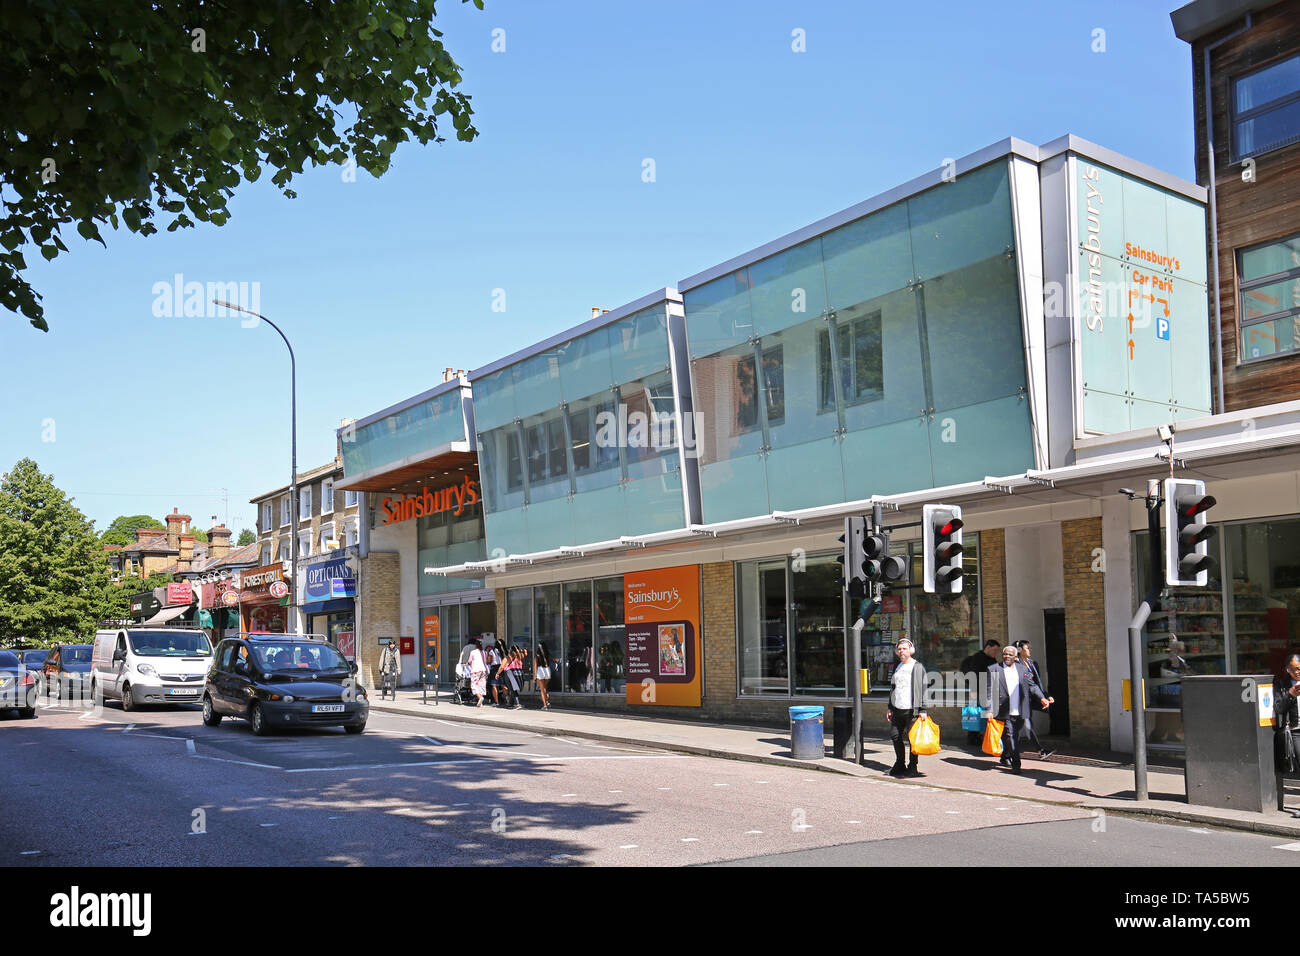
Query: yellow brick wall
{"points": [[993, 586], [1085, 633], [379, 589]]}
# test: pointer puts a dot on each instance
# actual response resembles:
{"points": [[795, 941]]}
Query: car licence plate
{"points": [[182, 691], [327, 708]]}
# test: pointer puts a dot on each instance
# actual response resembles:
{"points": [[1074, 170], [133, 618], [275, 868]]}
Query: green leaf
{"points": [[49, 251], [220, 136]]}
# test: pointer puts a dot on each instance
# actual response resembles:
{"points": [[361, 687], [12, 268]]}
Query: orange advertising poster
{"points": [[661, 611]]}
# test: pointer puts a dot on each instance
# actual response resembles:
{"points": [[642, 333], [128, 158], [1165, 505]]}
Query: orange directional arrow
{"points": [[1166, 307], [1150, 297], [1130, 349], [1130, 323]]}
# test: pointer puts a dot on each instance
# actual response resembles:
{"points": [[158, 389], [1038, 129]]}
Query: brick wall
{"points": [[718, 623], [1085, 633], [379, 589], [993, 584]]}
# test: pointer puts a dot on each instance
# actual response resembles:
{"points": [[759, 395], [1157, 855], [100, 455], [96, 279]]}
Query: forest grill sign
{"points": [[264, 583]]}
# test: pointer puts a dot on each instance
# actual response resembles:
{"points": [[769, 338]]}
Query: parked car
{"points": [[162, 665], [32, 657], [284, 681], [17, 686], [66, 671]]}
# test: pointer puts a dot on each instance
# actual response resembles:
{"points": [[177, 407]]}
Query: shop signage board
{"points": [[1142, 331], [255, 585], [347, 644], [179, 593], [661, 612], [432, 638], [454, 498], [324, 580]]}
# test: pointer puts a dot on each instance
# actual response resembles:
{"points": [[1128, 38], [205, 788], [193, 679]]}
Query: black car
{"points": [[17, 686], [66, 671], [283, 682]]}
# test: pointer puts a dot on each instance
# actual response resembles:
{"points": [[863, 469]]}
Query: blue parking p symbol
{"points": [[1162, 328]]}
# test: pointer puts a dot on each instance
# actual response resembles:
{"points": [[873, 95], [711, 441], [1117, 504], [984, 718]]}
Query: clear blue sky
{"points": [[381, 284]]}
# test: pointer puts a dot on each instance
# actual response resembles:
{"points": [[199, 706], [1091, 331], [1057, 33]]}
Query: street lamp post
{"points": [[293, 440]]}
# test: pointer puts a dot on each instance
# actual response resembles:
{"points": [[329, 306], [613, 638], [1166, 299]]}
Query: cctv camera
{"points": [[1166, 432]]}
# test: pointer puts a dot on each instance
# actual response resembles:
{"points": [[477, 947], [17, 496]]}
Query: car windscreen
{"points": [[35, 657], [9, 660], [297, 658], [75, 654], [169, 643]]}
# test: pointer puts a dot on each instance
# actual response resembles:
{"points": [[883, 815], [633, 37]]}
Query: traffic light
{"points": [[941, 530], [854, 558], [880, 564], [1187, 533]]}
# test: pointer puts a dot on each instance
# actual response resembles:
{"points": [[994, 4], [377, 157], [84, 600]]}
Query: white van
{"points": [[150, 665]]}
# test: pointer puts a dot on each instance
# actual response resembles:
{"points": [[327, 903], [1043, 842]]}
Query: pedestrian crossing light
{"points": [[941, 530], [854, 558], [1187, 533]]}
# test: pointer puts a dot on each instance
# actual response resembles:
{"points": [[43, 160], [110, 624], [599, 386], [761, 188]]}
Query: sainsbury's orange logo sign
{"points": [[453, 498]]}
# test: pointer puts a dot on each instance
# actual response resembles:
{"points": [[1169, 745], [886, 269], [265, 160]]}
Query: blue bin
{"points": [[807, 733]]}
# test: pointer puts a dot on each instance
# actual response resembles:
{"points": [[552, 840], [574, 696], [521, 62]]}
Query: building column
{"points": [[718, 621], [1083, 564], [993, 584], [379, 589]]}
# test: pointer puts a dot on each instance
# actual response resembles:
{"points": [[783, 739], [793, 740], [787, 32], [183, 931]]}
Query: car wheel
{"points": [[128, 702], [258, 720], [27, 713], [210, 717], [354, 728]]}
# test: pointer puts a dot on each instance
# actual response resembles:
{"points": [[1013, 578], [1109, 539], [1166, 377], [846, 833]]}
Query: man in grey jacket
{"points": [[906, 704], [1012, 691]]}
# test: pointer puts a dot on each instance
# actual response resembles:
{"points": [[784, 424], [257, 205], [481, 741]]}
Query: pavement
{"points": [[1102, 783]]}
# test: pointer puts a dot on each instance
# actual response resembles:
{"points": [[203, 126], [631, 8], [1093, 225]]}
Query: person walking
{"points": [[1012, 690], [977, 666], [906, 704], [493, 658], [513, 666], [390, 667], [1286, 724], [1025, 650], [478, 673], [542, 674]]}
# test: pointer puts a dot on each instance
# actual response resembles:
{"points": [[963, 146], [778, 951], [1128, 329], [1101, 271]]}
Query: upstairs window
{"points": [[1268, 283], [1266, 109]]}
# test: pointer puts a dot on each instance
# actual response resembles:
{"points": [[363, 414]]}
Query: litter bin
{"points": [[842, 732], [807, 733], [1227, 723]]}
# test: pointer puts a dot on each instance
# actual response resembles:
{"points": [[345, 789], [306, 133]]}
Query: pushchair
{"points": [[461, 693]]}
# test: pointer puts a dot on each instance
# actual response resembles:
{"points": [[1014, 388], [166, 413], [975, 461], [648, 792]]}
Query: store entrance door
{"points": [[1058, 679]]}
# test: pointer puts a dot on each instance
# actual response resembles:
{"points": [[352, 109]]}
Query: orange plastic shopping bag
{"points": [[924, 737], [993, 738]]}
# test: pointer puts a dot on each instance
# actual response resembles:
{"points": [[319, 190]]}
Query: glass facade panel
{"points": [[919, 317], [445, 538], [637, 346], [422, 427], [972, 319], [718, 313], [787, 288], [961, 222], [585, 365]]}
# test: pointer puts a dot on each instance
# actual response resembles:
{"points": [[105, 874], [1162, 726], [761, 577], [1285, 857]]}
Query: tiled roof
{"points": [[248, 554], [152, 545]]}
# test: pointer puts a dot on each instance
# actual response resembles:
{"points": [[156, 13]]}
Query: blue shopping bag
{"points": [[972, 718]]}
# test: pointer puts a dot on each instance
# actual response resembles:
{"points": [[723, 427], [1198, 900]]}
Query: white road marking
{"points": [[244, 763], [380, 766], [722, 784], [560, 856], [1203, 830], [447, 722], [852, 821], [28, 852], [907, 816], [952, 811], [628, 846], [1001, 808], [128, 728], [268, 824], [434, 740], [1281, 846], [690, 839], [616, 791], [748, 832], [568, 794], [665, 788], [189, 745], [160, 736]]}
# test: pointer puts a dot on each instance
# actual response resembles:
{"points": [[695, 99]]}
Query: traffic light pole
{"points": [[1136, 648], [856, 658]]}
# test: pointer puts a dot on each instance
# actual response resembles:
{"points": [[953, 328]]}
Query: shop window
{"points": [[861, 362], [1266, 109], [578, 676], [611, 637], [764, 646], [1269, 298], [772, 389], [548, 627]]}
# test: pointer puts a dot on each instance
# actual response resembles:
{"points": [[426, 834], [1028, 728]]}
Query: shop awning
{"points": [[167, 614], [326, 607]]}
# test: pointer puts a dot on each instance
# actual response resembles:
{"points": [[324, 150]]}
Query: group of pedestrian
{"points": [[1013, 687], [502, 671]]}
